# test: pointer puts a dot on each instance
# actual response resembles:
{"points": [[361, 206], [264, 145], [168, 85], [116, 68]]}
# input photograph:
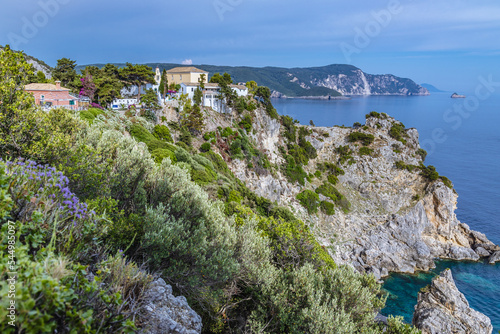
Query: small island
{"points": [[457, 96]]}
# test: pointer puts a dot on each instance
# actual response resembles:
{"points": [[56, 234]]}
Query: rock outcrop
{"points": [[353, 81], [165, 313], [495, 257], [398, 221], [442, 308]]}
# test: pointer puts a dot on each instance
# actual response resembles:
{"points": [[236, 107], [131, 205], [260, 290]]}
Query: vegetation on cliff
{"points": [[101, 203]]}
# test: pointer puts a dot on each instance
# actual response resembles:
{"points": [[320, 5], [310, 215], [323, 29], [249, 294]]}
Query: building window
{"points": [[192, 89], [42, 97], [181, 76], [172, 77]]}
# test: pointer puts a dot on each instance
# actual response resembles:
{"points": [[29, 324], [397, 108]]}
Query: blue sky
{"points": [[448, 43]]}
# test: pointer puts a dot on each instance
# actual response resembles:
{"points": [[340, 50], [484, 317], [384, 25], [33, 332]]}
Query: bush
{"points": [[446, 181], [356, 125], [227, 132], [309, 200], [186, 234], [365, 151], [430, 173], [422, 153], [327, 208], [366, 139], [293, 171], [205, 147], [161, 153], [90, 114], [397, 132], [246, 123], [373, 114], [186, 137], [163, 133]]}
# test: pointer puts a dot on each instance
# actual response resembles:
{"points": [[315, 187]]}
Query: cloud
{"points": [[187, 62]]}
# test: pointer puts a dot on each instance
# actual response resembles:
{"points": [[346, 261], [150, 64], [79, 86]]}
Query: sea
{"points": [[462, 138]]}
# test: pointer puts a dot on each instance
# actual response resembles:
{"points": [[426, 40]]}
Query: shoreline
{"points": [[342, 97]]}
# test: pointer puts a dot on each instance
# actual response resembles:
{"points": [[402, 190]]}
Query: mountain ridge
{"points": [[322, 81]]}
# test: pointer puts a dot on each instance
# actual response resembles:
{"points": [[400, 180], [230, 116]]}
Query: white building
{"points": [[211, 94], [123, 103]]}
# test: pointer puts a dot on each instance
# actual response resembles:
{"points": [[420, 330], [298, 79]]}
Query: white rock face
{"points": [[360, 83], [164, 313], [442, 308], [398, 221]]}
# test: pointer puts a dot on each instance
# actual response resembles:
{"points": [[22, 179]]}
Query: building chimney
{"points": [[58, 84]]}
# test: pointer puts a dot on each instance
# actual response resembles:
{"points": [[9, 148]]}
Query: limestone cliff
{"points": [[399, 221], [356, 82], [442, 308]]}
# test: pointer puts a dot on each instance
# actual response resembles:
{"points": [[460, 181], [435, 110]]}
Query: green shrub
{"points": [[373, 114], [309, 200], [209, 135], [186, 234], [422, 153], [365, 151], [396, 325], [356, 125], [163, 133], [328, 190], [186, 137], [314, 301], [333, 179], [397, 132], [446, 181], [366, 139], [205, 147], [429, 173], [160, 153], [402, 165], [227, 132], [246, 123], [293, 171], [327, 208]]}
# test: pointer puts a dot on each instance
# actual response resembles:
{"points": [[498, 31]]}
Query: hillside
{"points": [[38, 64], [431, 88], [263, 225], [325, 81]]}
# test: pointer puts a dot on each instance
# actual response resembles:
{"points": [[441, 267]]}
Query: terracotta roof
{"points": [[238, 86], [44, 86], [188, 69], [196, 84]]}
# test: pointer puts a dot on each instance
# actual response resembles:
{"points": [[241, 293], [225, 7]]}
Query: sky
{"points": [[447, 43]]}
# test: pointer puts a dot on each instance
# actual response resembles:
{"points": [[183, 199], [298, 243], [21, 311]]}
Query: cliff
{"points": [[442, 308], [398, 220]]}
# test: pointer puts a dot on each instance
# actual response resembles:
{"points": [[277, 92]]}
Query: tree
{"points": [[197, 96], [194, 121], [150, 101], [252, 86], [65, 72], [88, 86], [163, 89], [137, 75], [18, 122], [220, 79], [108, 84], [39, 77], [201, 80]]}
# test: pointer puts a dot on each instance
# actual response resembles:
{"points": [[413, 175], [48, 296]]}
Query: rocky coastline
{"points": [[442, 308], [398, 221]]}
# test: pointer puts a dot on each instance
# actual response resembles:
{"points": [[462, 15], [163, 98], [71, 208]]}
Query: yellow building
{"points": [[189, 74]]}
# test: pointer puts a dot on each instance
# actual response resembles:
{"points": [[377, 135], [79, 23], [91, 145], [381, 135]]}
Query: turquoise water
{"points": [[465, 148]]}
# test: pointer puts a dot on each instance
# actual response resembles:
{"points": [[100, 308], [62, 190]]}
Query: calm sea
{"points": [[462, 137]]}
